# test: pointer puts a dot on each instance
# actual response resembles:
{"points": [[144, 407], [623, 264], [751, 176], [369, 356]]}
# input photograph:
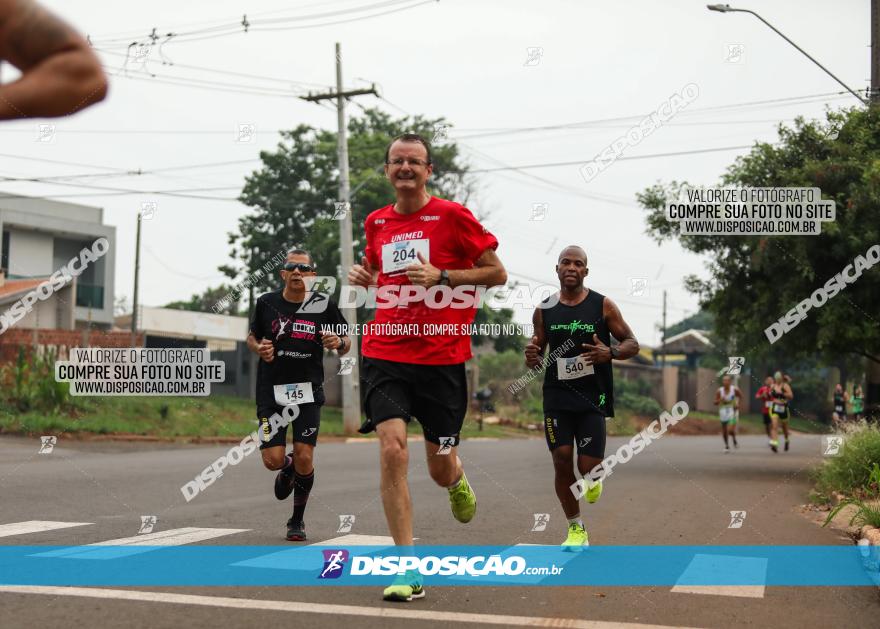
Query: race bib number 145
{"points": [[298, 393]]}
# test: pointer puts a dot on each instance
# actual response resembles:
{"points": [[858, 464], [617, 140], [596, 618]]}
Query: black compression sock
{"points": [[302, 485]]}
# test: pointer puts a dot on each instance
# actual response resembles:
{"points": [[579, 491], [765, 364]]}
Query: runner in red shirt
{"points": [[419, 241], [764, 394]]}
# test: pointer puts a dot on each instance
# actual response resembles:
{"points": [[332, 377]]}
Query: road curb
{"points": [[869, 544]]}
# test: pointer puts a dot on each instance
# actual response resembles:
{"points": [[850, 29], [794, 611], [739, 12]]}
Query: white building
{"points": [[40, 236]]}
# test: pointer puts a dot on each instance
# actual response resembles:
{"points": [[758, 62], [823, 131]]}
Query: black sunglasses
{"points": [[302, 268]]}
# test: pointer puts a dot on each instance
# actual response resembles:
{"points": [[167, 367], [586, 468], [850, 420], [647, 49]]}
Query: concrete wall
{"points": [[30, 253], [669, 392], [46, 207], [57, 312]]}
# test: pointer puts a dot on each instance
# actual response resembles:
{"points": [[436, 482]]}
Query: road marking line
{"points": [[321, 608], [293, 559], [353, 539], [714, 568], [36, 526], [745, 591], [134, 545], [171, 537]]}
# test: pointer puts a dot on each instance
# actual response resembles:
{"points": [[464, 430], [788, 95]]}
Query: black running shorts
{"points": [[586, 429], [305, 426], [436, 395]]}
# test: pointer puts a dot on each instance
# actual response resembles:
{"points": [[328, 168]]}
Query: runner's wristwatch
{"points": [[615, 353], [444, 278]]}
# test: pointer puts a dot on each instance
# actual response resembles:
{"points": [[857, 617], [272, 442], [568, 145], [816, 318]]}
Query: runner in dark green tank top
{"points": [[578, 385]]}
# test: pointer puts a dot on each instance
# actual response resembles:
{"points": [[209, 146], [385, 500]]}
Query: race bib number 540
{"points": [[396, 256], [573, 367]]}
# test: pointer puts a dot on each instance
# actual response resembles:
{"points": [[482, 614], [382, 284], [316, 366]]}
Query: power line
{"points": [[246, 25], [126, 191], [225, 72], [625, 157], [206, 85], [697, 110]]}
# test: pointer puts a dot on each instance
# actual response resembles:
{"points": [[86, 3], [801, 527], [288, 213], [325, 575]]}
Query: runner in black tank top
{"points": [[780, 395], [840, 399], [578, 386]]}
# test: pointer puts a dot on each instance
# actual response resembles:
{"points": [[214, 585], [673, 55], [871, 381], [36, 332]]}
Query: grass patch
{"points": [[852, 471], [181, 418]]}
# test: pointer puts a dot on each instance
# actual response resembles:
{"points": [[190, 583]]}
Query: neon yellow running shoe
{"points": [[463, 500], [594, 491], [405, 588], [577, 538]]}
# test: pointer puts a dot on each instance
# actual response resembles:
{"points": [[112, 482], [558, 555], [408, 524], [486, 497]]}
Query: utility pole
{"points": [[351, 403], [875, 52], [137, 267], [663, 337]]}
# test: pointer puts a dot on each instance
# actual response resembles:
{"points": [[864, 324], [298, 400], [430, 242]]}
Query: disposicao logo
{"points": [[334, 564]]}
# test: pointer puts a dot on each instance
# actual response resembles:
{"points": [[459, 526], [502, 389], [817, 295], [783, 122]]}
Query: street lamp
{"points": [[726, 8]]}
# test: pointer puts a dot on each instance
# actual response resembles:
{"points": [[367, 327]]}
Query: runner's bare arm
{"points": [[488, 271], [535, 348], [786, 390], [620, 330], [60, 73]]}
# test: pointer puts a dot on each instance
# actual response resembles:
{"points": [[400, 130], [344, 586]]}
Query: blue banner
{"points": [[526, 565]]}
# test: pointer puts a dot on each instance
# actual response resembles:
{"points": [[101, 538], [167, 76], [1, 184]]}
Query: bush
{"points": [[29, 383], [498, 371], [635, 396], [851, 471]]}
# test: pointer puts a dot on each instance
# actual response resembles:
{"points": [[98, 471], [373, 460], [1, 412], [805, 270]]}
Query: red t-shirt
{"points": [[453, 240], [764, 394]]}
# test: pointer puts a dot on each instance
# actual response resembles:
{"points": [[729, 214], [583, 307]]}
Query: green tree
{"points": [[702, 320], [500, 342], [294, 193], [754, 280], [222, 297]]}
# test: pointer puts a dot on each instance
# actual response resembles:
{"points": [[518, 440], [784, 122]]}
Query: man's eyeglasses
{"points": [[295, 266], [400, 161]]}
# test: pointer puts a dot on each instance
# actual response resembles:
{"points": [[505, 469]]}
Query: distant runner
{"points": [[781, 394], [858, 403], [840, 400], [727, 399], [763, 394], [578, 385]]}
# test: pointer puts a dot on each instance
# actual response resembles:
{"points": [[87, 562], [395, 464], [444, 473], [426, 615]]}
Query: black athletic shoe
{"points": [[786, 445], [296, 531], [284, 483]]}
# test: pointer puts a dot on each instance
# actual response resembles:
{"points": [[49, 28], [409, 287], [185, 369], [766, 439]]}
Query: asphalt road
{"points": [[680, 490]]}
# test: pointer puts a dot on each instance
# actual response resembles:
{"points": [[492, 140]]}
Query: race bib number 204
{"points": [[396, 256]]}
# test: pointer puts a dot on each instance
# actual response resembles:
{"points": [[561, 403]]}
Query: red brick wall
{"points": [[62, 340]]}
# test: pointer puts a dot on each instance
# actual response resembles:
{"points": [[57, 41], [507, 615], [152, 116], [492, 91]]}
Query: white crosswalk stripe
{"points": [[171, 537], [36, 526], [137, 544]]}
